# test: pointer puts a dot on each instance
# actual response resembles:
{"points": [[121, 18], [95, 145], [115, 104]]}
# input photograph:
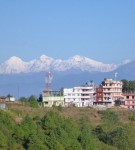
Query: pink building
{"points": [[109, 91], [129, 100]]}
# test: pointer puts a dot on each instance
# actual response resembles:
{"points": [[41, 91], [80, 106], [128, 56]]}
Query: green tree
{"points": [[86, 138], [33, 101], [132, 86], [109, 119], [61, 91], [34, 143], [61, 131], [40, 98], [9, 95], [125, 87], [132, 117], [119, 138], [28, 126], [23, 100], [3, 140], [128, 86]]}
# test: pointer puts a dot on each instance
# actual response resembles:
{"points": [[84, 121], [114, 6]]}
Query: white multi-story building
{"points": [[81, 96]]}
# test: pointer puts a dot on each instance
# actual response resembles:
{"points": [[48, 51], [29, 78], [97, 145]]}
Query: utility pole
{"points": [[115, 75], [18, 91]]}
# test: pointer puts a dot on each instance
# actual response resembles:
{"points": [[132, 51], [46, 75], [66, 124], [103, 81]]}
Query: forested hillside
{"points": [[27, 128]]}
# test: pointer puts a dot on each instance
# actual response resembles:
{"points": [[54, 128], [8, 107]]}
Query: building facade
{"points": [[81, 96], [112, 90], [108, 92], [52, 98], [129, 100], [10, 99]]}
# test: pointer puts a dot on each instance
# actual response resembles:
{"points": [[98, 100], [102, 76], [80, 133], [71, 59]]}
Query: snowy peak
{"points": [[84, 64], [44, 63], [14, 59], [41, 64], [13, 65], [44, 58]]}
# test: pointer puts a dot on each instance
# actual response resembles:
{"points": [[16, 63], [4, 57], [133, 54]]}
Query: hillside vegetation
{"points": [[26, 128]]}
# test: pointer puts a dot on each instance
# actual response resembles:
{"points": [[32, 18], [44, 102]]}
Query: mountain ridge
{"points": [[16, 65], [30, 78]]}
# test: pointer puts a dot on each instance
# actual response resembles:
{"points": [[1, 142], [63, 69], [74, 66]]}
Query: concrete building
{"points": [[3, 106], [81, 96], [129, 100], [2, 98], [108, 92], [112, 90], [52, 98], [10, 99], [99, 97]]}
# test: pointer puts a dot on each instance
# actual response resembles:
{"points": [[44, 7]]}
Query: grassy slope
{"points": [[19, 111], [92, 116]]}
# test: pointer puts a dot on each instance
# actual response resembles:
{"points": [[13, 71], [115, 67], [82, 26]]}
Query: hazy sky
{"points": [[103, 30]]}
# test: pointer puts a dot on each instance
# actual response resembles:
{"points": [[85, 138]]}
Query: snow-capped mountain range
{"points": [[21, 78], [44, 63]]}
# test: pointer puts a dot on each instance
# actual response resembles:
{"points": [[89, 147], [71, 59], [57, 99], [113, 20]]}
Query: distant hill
{"points": [[127, 71], [33, 83]]}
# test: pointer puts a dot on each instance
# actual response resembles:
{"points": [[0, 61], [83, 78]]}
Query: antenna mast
{"points": [[115, 75], [48, 81]]}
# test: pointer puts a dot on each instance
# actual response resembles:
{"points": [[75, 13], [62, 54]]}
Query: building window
{"points": [[132, 97], [127, 97]]}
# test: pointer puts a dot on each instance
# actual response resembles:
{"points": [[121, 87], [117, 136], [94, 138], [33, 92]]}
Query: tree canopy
{"points": [[128, 86], [54, 131]]}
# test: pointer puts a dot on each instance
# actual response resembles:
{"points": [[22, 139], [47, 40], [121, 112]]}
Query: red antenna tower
{"points": [[48, 81]]}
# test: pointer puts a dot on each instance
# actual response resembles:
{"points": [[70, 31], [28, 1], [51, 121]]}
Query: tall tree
{"points": [[33, 101], [125, 87]]}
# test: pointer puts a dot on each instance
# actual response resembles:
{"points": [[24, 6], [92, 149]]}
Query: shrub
{"points": [[132, 117], [33, 102]]}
